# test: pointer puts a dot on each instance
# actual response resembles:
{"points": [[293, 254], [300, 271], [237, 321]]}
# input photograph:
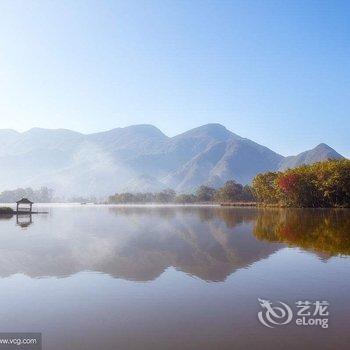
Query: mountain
{"points": [[222, 158], [319, 153], [137, 158]]}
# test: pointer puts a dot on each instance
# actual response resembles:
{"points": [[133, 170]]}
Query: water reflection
{"points": [[6, 216], [323, 231], [140, 243], [24, 220]]}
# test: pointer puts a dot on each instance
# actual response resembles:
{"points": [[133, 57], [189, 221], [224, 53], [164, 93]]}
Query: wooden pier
{"points": [[23, 207]]}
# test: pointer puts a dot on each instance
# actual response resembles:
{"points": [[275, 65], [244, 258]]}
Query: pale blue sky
{"points": [[277, 72]]}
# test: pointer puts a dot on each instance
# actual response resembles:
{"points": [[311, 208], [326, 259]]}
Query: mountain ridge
{"points": [[138, 156]]}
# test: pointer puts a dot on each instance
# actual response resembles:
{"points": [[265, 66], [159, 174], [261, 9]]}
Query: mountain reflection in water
{"points": [[139, 243]]}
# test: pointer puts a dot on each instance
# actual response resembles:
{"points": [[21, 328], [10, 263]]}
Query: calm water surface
{"points": [[173, 277]]}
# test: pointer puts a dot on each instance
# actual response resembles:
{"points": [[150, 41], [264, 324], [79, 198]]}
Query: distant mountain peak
{"points": [[325, 149], [323, 146], [319, 153], [148, 129], [213, 130], [211, 127], [44, 131]]}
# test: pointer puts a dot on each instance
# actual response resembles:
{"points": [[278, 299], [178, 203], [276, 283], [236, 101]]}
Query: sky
{"points": [[276, 72]]}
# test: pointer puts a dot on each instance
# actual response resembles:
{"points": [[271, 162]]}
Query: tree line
{"points": [[42, 195], [230, 192], [323, 184], [320, 185]]}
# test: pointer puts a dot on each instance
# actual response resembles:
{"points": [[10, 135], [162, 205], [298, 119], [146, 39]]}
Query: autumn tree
{"points": [[322, 184]]}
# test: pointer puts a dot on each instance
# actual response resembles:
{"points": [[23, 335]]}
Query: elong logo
{"points": [[308, 313], [274, 315]]}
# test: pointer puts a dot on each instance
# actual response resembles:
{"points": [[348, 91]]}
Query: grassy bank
{"points": [[6, 211]]}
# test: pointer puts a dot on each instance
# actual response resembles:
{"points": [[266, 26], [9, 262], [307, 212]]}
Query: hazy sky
{"points": [[277, 72]]}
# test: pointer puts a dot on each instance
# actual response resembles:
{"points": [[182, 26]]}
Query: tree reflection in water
{"points": [[325, 231]]}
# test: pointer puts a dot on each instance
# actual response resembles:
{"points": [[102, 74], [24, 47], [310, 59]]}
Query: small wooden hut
{"points": [[24, 206]]}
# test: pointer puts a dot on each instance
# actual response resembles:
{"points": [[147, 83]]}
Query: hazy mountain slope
{"points": [[136, 158], [139, 139], [7, 136], [172, 154], [243, 159], [38, 139], [36, 154], [319, 153], [137, 147], [73, 163], [231, 158], [143, 183]]}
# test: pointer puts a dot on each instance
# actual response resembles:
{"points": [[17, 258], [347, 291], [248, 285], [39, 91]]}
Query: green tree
{"points": [[166, 196], [230, 192], [186, 198], [205, 194]]}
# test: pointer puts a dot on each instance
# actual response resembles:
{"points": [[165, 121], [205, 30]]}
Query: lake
{"points": [[104, 277]]}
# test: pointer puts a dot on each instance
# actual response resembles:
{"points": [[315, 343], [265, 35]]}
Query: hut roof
{"points": [[24, 201]]}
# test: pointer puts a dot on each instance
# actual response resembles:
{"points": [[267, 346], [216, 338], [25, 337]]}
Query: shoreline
{"points": [[255, 205]]}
